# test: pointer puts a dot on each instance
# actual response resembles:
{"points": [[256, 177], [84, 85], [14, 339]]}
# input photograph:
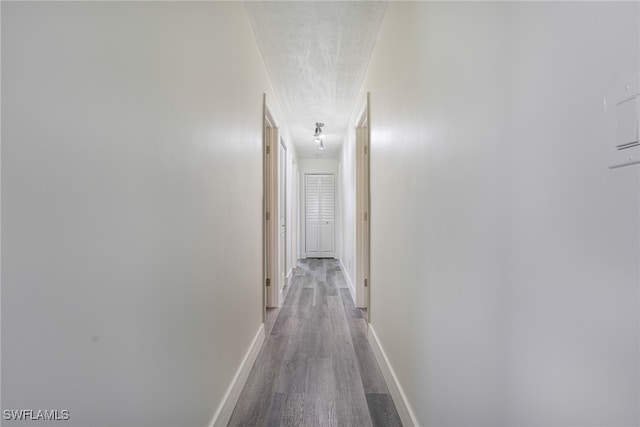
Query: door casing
{"points": [[363, 214], [283, 246], [270, 212]]}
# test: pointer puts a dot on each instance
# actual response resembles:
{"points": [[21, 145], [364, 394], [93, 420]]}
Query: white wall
{"points": [[316, 166], [504, 274], [132, 200]]}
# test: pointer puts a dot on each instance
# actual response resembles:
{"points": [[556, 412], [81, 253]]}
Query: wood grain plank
{"points": [[276, 406], [370, 373], [320, 410], [353, 404], [352, 311], [383, 411], [293, 410], [292, 377]]}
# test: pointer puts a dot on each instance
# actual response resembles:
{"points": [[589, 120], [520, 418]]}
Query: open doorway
{"points": [[294, 223], [363, 250], [278, 166], [283, 246], [271, 214]]}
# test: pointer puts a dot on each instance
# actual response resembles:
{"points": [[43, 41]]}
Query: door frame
{"points": [[295, 209], [270, 213], [363, 214], [283, 244]]}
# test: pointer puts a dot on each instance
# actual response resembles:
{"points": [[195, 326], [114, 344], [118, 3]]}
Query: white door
{"points": [[320, 216]]}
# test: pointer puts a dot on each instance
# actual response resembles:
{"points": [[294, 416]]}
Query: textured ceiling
{"points": [[316, 54]]}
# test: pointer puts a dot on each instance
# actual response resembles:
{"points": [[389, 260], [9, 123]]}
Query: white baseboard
{"points": [[225, 409], [352, 289], [403, 407]]}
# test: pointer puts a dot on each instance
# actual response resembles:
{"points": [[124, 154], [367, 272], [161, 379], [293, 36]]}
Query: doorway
{"points": [[282, 215], [320, 215], [363, 229], [271, 215]]}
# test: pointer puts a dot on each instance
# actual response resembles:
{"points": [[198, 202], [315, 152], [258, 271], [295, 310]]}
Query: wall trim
{"points": [[225, 409], [352, 289], [405, 412]]}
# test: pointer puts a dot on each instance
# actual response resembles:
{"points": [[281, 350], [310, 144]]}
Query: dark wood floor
{"points": [[316, 367]]}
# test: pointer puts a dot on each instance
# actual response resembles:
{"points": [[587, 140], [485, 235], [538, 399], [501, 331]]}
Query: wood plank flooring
{"points": [[316, 367]]}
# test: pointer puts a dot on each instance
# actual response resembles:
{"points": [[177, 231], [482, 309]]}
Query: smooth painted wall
{"points": [[131, 208], [505, 254]]}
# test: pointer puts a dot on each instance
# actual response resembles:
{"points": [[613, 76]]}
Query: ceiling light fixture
{"points": [[318, 132], [318, 136]]}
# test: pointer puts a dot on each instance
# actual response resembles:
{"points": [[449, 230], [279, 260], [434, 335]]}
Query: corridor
{"points": [[469, 171], [316, 368]]}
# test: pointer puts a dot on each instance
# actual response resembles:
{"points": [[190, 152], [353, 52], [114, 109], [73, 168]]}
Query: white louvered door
{"points": [[320, 216]]}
